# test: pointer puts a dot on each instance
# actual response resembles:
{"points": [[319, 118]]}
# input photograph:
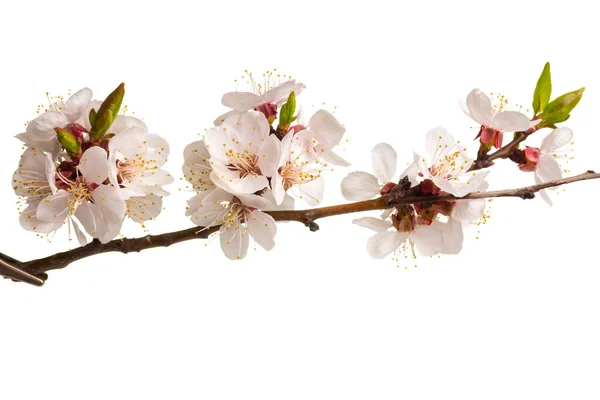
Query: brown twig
{"points": [[40, 266]]}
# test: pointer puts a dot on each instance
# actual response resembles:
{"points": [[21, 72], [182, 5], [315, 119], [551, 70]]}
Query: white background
{"points": [[513, 316]]}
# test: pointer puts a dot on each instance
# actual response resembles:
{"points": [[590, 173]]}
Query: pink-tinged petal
{"points": [[375, 224], [556, 139], [384, 243], [42, 128], [459, 188], [358, 186], [384, 159], [94, 165], [480, 107], [269, 155], [55, 207], [468, 210], [548, 168], [488, 135], [327, 129], [113, 230], [427, 240], [241, 101], [143, 208], [286, 147], [453, 237], [312, 192], [543, 193], [511, 121], [91, 218], [234, 241], [76, 105], [262, 228], [110, 202], [436, 140], [30, 222], [331, 157]]}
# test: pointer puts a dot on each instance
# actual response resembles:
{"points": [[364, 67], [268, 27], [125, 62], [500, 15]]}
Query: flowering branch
{"points": [[39, 267]]}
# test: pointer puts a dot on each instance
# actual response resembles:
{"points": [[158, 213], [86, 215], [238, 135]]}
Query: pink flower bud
{"points": [[269, 110], [531, 156], [488, 135]]}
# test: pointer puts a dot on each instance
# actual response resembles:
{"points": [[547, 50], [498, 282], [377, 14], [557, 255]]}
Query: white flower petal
{"points": [[556, 139], [42, 128], [427, 239], [357, 186], [241, 101], [128, 144], [91, 218], [543, 193], [312, 192], [76, 105], [30, 222], [113, 230], [80, 236], [548, 168], [327, 129], [110, 202], [384, 160], [94, 165], [453, 237], [143, 208], [269, 155], [468, 210], [331, 157], [122, 123], [375, 224], [511, 121], [384, 243], [234, 241], [480, 107], [436, 140], [411, 172], [280, 93], [263, 228], [55, 207]]}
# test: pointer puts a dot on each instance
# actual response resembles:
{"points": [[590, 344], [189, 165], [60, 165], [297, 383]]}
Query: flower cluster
{"points": [[84, 163], [259, 156]]}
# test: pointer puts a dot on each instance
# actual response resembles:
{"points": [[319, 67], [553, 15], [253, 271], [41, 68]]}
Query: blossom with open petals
{"points": [[264, 97], [447, 164], [40, 132], [494, 122], [360, 185], [243, 153], [298, 170], [238, 217], [84, 196]]}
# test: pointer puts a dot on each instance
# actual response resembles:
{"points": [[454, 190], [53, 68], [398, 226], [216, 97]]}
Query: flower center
{"points": [[244, 163]]}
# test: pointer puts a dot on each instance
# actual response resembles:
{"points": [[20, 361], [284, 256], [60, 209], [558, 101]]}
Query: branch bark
{"points": [[39, 267]]}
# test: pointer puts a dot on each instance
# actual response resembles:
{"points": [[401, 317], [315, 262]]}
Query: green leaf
{"points": [[103, 122], [92, 116], [112, 103], [543, 89], [68, 141], [559, 109], [286, 114]]}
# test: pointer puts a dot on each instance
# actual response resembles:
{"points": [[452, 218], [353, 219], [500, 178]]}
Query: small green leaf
{"points": [[559, 109], [92, 116], [112, 103], [68, 141], [543, 89], [286, 114], [102, 123]]}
